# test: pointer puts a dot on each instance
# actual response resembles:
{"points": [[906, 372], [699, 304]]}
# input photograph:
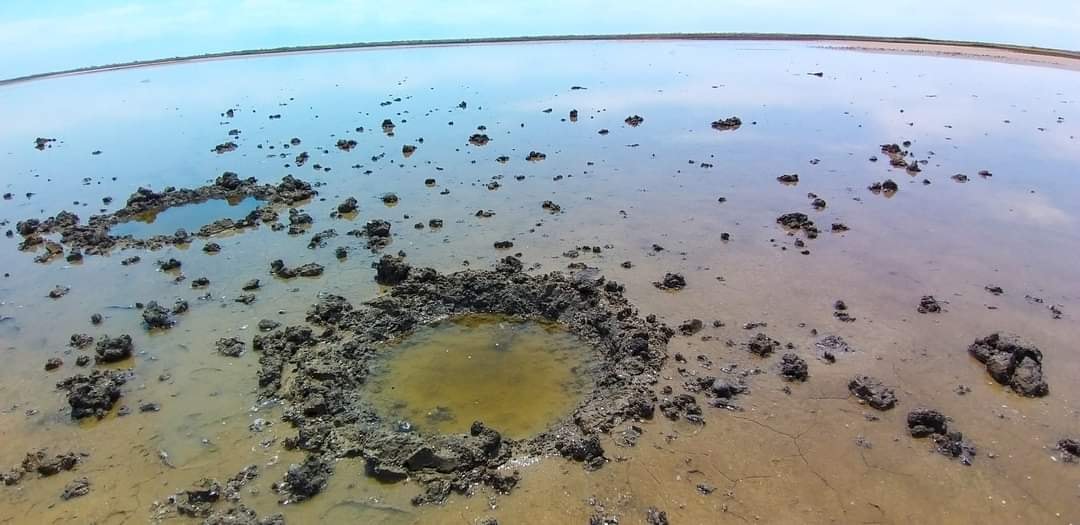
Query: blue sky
{"points": [[39, 36]]}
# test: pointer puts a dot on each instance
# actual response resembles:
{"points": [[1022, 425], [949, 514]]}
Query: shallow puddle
{"points": [[189, 217], [515, 376]]}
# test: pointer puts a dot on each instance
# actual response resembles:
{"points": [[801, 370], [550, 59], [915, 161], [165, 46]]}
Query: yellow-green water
{"points": [[516, 376]]}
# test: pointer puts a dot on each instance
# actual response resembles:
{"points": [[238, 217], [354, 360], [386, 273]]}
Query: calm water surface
{"points": [[789, 456]]}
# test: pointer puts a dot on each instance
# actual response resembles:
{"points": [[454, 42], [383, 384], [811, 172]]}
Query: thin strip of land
{"points": [[865, 43]]}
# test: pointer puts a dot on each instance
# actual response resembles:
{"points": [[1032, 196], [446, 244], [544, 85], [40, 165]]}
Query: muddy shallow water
{"points": [[515, 376], [793, 452]]}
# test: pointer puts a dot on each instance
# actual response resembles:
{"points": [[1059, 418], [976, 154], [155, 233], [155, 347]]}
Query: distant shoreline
{"points": [[893, 44]]}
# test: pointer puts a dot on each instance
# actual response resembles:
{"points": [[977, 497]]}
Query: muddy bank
{"points": [[329, 366]]}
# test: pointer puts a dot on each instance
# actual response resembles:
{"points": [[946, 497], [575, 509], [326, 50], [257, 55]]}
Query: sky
{"points": [[39, 36]]}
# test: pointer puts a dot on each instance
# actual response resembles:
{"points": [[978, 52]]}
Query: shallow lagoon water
{"points": [[189, 217], [629, 189]]}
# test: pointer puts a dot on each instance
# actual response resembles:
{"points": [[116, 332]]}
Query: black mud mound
{"points": [[326, 403], [1013, 362]]}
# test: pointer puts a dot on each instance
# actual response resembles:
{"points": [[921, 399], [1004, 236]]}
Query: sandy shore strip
{"points": [[961, 49]]}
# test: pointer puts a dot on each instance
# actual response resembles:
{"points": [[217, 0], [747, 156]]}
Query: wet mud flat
{"points": [[855, 322]]}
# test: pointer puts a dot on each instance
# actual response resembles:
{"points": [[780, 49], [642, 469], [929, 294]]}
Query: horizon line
{"points": [[803, 37]]}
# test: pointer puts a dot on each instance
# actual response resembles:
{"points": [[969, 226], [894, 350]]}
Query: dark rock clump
{"points": [[793, 368], [82, 340], [278, 268], [230, 347], [681, 406], [1070, 447], [391, 270], [551, 207], [157, 316], [762, 345], [924, 422], [348, 206], [873, 392], [77, 488], [929, 305], [671, 281], [798, 221], [691, 327], [93, 394], [725, 124], [304, 481], [44, 465], [1012, 362], [113, 349]]}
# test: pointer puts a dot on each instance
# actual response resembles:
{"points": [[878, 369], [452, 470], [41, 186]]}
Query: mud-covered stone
{"points": [[157, 316], [45, 465], [923, 422], [230, 347], [873, 392], [77, 488], [762, 345], [1013, 362], [391, 270], [671, 281], [93, 394], [304, 481], [113, 349], [793, 368]]}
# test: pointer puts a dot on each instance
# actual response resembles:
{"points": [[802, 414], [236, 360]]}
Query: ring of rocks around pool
{"points": [[324, 401]]}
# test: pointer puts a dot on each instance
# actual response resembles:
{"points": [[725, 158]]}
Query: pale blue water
{"points": [[189, 217]]}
